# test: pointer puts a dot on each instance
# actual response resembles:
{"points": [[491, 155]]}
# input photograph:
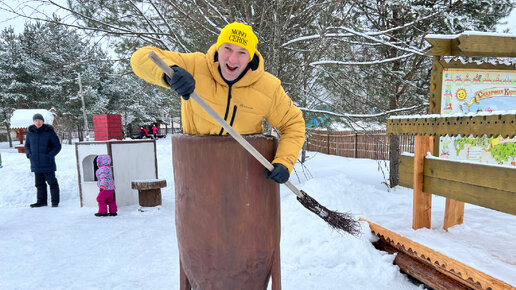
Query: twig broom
{"points": [[337, 220]]}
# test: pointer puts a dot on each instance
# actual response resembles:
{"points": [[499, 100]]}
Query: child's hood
{"points": [[103, 160]]}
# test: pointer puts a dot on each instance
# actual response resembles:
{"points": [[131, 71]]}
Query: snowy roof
{"points": [[22, 118], [453, 36], [472, 43]]}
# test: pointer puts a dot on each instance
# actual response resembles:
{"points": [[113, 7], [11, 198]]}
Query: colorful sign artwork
{"points": [[472, 91]]}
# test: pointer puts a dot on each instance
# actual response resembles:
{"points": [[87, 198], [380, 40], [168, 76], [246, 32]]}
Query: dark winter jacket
{"points": [[41, 147]]}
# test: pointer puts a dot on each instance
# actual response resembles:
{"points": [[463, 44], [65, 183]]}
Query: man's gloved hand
{"points": [[182, 82], [279, 174]]}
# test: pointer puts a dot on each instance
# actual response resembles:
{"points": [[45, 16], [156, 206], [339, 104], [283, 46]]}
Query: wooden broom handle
{"points": [[164, 66]]}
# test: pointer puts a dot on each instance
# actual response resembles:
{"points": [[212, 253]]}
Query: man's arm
{"points": [[55, 144], [288, 119], [28, 151], [146, 69]]}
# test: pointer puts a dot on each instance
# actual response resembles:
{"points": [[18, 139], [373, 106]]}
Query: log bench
{"points": [[149, 191]]}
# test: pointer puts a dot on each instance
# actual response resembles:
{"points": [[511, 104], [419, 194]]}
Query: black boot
{"points": [[101, 214], [112, 214], [38, 204]]}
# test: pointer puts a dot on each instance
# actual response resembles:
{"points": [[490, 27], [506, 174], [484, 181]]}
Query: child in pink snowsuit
{"points": [[107, 187]]}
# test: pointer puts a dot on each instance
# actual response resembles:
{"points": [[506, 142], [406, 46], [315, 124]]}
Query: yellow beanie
{"points": [[239, 34]]}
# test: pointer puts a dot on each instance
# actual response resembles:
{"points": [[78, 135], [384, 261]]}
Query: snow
{"points": [[22, 118], [481, 33], [69, 248]]}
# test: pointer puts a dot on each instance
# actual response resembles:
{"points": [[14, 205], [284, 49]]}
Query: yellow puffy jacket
{"points": [[255, 96]]}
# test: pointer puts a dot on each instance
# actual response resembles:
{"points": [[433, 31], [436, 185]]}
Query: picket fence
{"points": [[372, 144]]}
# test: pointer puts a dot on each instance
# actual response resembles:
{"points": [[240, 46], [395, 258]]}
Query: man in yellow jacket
{"points": [[230, 77]]}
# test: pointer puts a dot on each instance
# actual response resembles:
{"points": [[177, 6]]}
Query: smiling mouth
{"points": [[231, 68]]}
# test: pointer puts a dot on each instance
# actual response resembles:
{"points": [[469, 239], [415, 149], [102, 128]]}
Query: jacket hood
{"points": [[250, 77], [103, 160], [45, 127]]}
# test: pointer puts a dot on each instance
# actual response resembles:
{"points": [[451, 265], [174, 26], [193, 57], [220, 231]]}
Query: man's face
{"points": [[38, 123], [233, 60]]}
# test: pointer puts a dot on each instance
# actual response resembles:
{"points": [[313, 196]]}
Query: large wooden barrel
{"points": [[227, 213]]}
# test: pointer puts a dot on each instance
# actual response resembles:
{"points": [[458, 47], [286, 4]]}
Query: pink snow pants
{"points": [[106, 199]]}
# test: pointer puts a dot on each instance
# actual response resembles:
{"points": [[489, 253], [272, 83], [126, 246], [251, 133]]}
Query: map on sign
{"points": [[472, 91]]}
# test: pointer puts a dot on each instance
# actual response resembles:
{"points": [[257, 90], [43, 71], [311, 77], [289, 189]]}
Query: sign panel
{"points": [[473, 91]]}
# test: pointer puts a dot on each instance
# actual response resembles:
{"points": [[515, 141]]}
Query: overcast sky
{"points": [[10, 19]]}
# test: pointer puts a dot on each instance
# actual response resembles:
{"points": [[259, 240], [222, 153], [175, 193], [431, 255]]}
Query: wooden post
{"points": [[453, 213], [422, 207], [328, 143], [356, 145]]}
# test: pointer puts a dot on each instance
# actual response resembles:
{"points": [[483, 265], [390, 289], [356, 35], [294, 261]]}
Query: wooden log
{"points": [[148, 184], [419, 270], [464, 274], [149, 191]]}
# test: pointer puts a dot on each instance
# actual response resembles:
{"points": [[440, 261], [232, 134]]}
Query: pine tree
{"points": [[11, 77]]}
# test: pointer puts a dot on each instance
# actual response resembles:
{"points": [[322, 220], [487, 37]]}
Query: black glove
{"points": [[182, 82], [279, 173]]}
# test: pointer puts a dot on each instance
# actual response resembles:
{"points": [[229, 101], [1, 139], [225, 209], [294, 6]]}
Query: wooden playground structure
{"points": [[460, 182]]}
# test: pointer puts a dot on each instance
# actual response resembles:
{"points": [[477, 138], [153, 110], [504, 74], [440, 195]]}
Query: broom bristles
{"points": [[337, 220]]}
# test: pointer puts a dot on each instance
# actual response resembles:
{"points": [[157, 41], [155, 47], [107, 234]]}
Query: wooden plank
{"points": [[436, 84], [472, 45], [486, 45], [481, 194], [406, 169], [482, 175], [453, 213], [440, 46], [422, 205], [450, 267], [499, 200], [476, 125]]}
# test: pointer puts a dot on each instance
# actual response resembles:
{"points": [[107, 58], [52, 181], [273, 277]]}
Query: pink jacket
{"points": [[104, 173]]}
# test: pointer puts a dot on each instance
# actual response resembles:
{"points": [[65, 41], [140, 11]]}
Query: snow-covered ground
{"points": [[69, 248]]}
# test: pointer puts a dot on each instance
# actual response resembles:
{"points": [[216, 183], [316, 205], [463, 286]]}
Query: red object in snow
{"points": [[107, 127]]}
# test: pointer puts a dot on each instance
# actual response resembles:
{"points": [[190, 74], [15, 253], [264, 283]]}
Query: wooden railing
{"points": [[486, 185], [483, 185]]}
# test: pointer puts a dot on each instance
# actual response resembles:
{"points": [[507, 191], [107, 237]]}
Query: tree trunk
{"points": [[394, 160], [79, 134], [394, 140], [303, 153], [8, 127], [70, 136]]}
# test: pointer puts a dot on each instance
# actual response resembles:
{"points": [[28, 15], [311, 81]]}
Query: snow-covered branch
{"points": [[360, 62], [345, 115]]}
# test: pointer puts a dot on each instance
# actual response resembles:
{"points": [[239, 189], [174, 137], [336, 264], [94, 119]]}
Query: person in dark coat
{"points": [[41, 147]]}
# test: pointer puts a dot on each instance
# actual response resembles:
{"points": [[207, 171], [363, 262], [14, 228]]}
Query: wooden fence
{"points": [[373, 144]]}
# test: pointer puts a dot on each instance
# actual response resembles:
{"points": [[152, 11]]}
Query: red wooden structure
{"points": [[107, 127]]}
